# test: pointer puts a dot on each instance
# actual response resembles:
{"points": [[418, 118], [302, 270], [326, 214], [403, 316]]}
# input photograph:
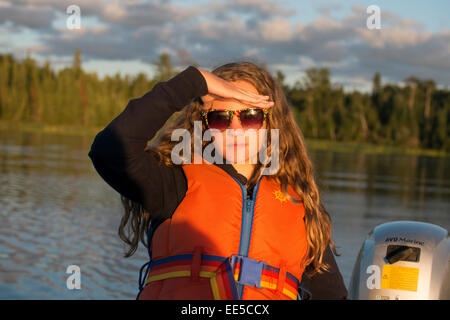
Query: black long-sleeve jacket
{"points": [[117, 153]]}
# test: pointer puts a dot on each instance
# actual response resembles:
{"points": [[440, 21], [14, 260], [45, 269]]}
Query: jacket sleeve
{"points": [[117, 151], [328, 285]]}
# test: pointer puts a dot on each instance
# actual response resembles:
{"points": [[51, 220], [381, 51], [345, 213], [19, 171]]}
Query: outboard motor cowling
{"points": [[403, 260]]}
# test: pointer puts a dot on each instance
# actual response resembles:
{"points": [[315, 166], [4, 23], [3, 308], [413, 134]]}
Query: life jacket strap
{"points": [[250, 272], [224, 273], [216, 268]]}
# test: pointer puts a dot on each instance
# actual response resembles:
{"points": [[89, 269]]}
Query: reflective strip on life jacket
{"points": [[216, 268], [220, 272]]}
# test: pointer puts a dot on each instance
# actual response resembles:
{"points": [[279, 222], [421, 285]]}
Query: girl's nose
{"points": [[235, 123]]}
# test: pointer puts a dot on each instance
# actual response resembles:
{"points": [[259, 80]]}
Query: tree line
{"points": [[416, 114]]}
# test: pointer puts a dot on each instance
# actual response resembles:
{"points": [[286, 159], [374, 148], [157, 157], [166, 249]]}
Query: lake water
{"points": [[56, 211]]}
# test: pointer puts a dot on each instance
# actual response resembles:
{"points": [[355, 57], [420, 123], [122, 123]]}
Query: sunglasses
{"points": [[220, 119]]}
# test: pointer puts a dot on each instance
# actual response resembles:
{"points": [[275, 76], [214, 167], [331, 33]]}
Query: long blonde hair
{"points": [[295, 166]]}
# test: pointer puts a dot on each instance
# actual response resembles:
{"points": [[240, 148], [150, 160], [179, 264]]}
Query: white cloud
{"points": [[275, 30], [226, 30]]}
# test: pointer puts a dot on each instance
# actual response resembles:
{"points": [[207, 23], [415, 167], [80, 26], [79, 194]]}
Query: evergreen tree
{"points": [[416, 114], [164, 68]]}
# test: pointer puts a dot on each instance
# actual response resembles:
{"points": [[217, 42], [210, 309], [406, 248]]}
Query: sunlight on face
{"points": [[237, 146]]}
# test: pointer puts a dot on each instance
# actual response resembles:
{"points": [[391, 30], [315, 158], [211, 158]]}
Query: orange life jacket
{"points": [[211, 246]]}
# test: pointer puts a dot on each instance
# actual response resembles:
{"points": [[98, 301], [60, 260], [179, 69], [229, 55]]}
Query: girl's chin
{"points": [[236, 160], [237, 154]]}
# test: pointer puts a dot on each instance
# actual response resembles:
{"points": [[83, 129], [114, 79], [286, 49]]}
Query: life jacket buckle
{"points": [[250, 270]]}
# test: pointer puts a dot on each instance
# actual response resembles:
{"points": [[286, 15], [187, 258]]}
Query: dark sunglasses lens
{"points": [[252, 118], [218, 120]]}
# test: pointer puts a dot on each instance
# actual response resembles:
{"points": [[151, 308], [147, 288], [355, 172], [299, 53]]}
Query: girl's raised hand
{"points": [[219, 89]]}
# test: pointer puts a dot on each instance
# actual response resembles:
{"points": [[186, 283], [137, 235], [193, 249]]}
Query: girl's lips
{"points": [[238, 145]]}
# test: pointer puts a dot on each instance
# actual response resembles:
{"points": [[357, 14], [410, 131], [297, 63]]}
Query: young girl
{"points": [[219, 230]]}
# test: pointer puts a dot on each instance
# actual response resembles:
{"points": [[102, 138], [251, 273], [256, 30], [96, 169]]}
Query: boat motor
{"points": [[403, 260]]}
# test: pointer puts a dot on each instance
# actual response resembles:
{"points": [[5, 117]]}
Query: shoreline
{"points": [[369, 148], [312, 144]]}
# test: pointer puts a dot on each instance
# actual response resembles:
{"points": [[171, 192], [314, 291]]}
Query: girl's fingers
{"points": [[253, 98], [267, 105], [257, 97], [262, 103], [236, 93], [244, 93]]}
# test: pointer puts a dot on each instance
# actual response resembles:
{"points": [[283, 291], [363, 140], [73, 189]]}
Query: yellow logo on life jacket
{"points": [[280, 195]]}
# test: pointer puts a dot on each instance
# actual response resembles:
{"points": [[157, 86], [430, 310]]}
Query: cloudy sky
{"points": [[289, 35]]}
